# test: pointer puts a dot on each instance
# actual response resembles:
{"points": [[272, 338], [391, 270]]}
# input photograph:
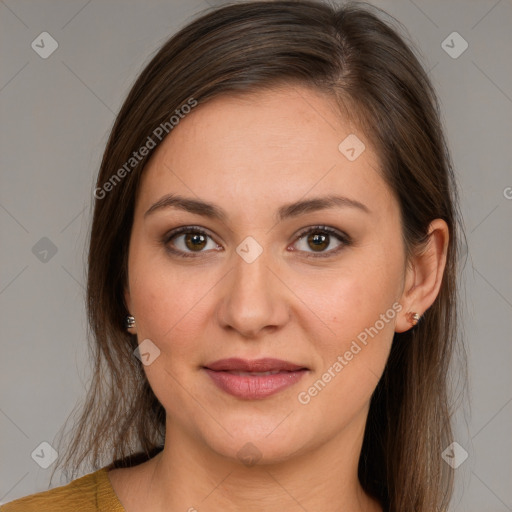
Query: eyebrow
{"points": [[286, 211]]}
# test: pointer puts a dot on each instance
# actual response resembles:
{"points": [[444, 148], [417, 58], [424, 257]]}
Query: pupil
{"points": [[319, 241]]}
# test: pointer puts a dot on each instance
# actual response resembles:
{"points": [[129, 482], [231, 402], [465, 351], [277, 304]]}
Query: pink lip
{"points": [[225, 373]]}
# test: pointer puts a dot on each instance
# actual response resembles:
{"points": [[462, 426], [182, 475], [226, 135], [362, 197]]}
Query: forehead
{"points": [[268, 145]]}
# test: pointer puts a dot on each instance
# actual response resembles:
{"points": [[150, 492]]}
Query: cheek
{"points": [[169, 304], [351, 299], [357, 311], [170, 311]]}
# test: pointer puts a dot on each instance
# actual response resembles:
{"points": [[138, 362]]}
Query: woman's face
{"points": [[263, 278]]}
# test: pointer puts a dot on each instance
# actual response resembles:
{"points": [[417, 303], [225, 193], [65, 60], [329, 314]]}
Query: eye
{"points": [[320, 238], [187, 240]]}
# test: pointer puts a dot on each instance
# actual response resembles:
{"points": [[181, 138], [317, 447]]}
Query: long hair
{"points": [[355, 53]]}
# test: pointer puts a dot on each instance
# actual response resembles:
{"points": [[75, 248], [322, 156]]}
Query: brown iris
{"points": [[320, 241], [195, 241]]}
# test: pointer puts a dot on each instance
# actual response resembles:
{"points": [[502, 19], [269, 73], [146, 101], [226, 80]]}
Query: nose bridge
{"points": [[252, 298], [251, 262]]}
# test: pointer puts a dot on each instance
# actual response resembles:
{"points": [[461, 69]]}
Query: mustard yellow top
{"points": [[90, 493]]}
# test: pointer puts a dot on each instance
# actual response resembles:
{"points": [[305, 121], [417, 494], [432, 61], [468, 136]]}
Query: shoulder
{"points": [[90, 493]]}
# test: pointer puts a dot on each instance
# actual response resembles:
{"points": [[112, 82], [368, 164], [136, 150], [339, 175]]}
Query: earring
{"points": [[413, 318], [130, 322]]}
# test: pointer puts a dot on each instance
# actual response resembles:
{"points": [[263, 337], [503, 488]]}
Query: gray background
{"points": [[56, 114]]}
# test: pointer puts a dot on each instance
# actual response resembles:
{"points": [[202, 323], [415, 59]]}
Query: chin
{"points": [[260, 441]]}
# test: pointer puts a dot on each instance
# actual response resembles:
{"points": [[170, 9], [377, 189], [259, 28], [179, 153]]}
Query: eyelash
{"points": [[342, 237]]}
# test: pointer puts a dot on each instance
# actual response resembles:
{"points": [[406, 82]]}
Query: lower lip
{"points": [[254, 387]]}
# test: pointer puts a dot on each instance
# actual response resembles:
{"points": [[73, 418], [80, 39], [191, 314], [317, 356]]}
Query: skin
{"points": [[249, 155]]}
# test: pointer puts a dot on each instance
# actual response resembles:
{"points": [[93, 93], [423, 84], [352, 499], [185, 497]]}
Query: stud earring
{"points": [[130, 322], [413, 318]]}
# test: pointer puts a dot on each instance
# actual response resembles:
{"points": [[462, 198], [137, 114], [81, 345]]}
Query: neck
{"points": [[189, 476]]}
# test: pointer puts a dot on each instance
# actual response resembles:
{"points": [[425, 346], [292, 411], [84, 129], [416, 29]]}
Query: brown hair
{"points": [[351, 53]]}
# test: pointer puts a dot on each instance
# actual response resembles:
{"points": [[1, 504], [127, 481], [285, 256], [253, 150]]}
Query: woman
{"points": [[272, 275]]}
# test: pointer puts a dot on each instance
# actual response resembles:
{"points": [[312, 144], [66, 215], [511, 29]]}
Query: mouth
{"points": [[254, 379]]}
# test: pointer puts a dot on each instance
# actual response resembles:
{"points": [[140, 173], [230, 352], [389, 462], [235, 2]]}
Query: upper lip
{"points": [[266, 364]]}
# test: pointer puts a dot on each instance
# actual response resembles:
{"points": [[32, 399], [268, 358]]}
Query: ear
{"points": [[424, 275]]}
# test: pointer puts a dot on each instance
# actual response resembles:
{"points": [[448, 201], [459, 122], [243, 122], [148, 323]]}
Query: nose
{"points": [[254, 301]]}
